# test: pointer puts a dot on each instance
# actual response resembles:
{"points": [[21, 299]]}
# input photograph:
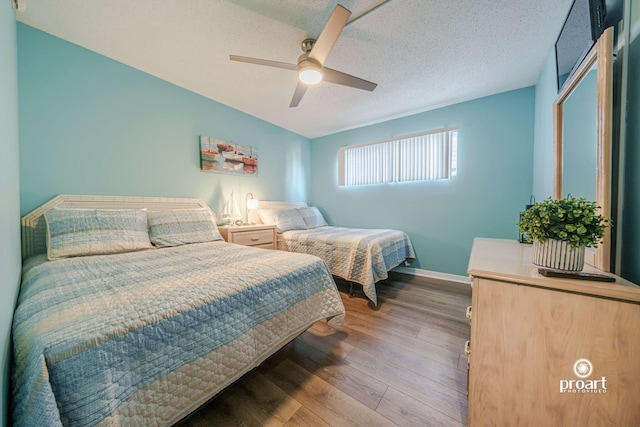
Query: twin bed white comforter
{"points": [[363, 256]]}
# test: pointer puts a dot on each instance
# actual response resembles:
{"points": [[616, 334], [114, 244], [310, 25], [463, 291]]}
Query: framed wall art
{"points": [[221, 156]]}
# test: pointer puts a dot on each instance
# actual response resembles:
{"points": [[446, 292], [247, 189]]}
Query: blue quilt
{"points": [[145, 338]]}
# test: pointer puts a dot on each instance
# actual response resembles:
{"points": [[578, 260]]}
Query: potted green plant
{"points": [[561, 229]]}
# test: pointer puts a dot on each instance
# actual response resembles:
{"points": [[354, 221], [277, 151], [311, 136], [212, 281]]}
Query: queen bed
{"points": [[123, 332], [357, 255]]}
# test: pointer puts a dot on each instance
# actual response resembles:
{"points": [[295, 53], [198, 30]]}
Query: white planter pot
{"points": [[558, 255]]}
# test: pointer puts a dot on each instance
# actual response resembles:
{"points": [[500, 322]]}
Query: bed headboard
{"points": [[266, 204], [34, 230]]}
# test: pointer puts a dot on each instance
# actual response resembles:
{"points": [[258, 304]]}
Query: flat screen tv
{"points": [[582, 27]]}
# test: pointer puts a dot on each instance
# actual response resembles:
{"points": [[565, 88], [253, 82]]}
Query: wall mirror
{"points": [[582, 120]]}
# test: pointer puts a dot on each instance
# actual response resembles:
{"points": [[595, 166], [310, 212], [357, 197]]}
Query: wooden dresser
{"points": [[259, 236], [530, 334]]}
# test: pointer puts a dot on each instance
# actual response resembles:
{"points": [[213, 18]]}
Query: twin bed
{"points": [[115, 326], [362, 256]]}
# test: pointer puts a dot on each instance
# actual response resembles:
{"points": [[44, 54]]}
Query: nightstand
{"points": [[258, 236]]}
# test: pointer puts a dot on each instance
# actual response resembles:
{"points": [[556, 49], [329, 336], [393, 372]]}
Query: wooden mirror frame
{"points": [[602, 54]]}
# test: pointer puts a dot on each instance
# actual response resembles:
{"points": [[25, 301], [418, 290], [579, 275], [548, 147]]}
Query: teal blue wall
{"points": [[9, 195], [91, 125], [630, 257], [494, 181], [546, 93]]}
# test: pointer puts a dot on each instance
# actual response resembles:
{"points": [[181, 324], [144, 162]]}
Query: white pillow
{"points": [[284, 219], [312, 217]]}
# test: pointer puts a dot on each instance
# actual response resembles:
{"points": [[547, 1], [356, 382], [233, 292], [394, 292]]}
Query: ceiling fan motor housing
{"points": [[307, 45]]}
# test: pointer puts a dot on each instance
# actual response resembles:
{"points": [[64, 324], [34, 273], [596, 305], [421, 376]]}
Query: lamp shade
{"points": [[252, 203]]}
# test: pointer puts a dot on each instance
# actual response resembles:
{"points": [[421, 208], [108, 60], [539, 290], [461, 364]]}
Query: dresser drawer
{"points": [[253, 237]]}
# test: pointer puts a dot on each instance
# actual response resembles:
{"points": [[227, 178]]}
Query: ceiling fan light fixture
{"points": [[309, 72], [310, 76], [310, 65]]}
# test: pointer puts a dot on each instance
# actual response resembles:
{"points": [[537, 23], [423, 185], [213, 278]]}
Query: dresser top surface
{"points": [[509, 260], [247, 227]]}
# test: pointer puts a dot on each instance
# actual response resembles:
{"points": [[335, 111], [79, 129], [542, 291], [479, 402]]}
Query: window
{"points": [[419, 157]]}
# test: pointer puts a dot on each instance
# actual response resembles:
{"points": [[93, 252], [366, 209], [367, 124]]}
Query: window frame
{"points": [[453, 158]]}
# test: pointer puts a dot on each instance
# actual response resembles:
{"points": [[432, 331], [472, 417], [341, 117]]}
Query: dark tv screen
{"points": [[581, 29]]}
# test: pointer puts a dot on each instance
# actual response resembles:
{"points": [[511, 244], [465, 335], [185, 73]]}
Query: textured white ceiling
{"points": [[422, 53]]}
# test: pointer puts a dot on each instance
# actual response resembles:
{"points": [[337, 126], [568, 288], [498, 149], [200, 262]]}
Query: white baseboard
{"points": [[433, 274]]}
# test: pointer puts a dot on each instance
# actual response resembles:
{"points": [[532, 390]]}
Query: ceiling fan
{"points": [[310, 66]]}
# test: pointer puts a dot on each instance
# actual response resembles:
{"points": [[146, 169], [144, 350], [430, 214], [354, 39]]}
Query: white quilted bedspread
{"points": [[359, 255]]}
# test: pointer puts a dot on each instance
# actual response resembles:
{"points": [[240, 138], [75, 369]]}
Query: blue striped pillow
{"points": [[81, 232], [182, 226]]}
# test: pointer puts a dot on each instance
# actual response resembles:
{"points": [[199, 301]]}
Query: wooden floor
{"points": [[399, 364]]}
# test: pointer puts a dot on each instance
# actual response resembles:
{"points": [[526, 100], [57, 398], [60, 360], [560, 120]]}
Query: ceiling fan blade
{"points": [[301, 88], [333, 76], [266, 62], [330, 34]]}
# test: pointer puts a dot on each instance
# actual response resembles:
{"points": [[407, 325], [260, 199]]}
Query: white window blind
{"points": [[419, 157]]}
